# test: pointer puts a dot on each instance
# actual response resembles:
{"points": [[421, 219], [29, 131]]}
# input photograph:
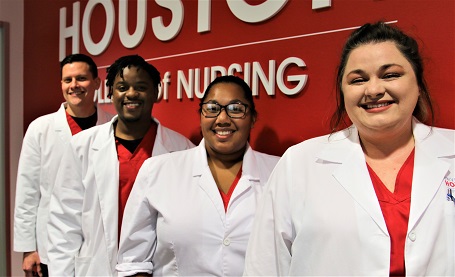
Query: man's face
{"points": [[78, 85], [134, 95]]}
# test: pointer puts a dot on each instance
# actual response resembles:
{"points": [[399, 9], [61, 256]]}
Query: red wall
{"points": [[314, 36]]}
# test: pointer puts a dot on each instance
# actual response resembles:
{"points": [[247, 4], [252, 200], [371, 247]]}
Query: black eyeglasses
{"points": [[233, 110]]}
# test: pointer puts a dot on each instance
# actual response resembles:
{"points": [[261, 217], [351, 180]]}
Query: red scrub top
{"points": [[129, 165], [74, 127], [395, 208], [227, 196]]}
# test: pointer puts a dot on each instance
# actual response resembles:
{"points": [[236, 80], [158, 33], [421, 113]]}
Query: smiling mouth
{"points": [[223, 132], [374, 106], [75, 92], [131, 105]]}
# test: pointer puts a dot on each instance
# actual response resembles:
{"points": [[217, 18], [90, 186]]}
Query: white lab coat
{"points": [[42, 149], [320, 214], [175, 223], [83, 219]]}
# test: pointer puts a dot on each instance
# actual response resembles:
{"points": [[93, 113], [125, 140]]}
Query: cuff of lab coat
{"points": [[129, 269]]}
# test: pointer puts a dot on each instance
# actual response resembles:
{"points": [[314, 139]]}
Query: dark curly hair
{"points": [[127, 61]]}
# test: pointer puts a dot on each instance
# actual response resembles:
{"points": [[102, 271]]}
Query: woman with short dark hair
{"points": [[190, 212]]}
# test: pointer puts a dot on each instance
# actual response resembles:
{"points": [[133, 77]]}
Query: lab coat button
{"points": [[412, 236], [226, 242]]}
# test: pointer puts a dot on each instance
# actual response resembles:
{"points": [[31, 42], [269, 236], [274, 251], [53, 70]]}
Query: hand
{"points": [[31, 264]]}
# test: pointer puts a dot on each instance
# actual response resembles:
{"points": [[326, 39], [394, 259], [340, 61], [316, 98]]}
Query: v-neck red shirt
{"points": [[227, 196], [129, 165], [74, 127], [395, 208]]}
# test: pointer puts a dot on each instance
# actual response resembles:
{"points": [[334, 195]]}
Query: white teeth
{"points": [[223, 133], [377, 105], [75, 92], [132, 104]]}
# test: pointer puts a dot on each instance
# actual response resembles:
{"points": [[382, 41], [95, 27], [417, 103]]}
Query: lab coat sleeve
{"points": [[28, 192], [269, 246], [64, 227], [138, 233]]}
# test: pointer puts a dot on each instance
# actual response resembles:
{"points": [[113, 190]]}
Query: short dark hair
{"points": [[248, 94], [376, 33], [80, 58], [128, 61]]}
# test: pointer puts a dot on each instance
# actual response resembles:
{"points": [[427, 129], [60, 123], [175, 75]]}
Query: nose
{"points": [[374, 89], [74, 83], [223, 117], [131, 93]]}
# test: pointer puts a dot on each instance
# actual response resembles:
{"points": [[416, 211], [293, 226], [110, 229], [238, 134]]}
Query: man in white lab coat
{"points": [[42, 149], [98, 171]]}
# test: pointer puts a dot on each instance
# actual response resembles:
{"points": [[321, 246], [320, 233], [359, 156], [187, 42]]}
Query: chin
{"points": [[129, 119], [74, 101], [230, 149]]}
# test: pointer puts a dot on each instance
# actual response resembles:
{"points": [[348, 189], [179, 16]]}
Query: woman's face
{"points": [[380, 88], [222, 134]]}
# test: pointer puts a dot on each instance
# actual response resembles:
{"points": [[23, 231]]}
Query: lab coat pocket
{"points": [[81, 265], [89, 266], [170, 266], [449, 212], [449, 208], [449, 215]]}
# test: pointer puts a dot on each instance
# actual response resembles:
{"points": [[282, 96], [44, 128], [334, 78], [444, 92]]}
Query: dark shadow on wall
{"points": [[196, 136], [267, 142]]}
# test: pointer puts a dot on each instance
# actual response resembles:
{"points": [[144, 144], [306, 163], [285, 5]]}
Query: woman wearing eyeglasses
{"points": [[191, 212]]}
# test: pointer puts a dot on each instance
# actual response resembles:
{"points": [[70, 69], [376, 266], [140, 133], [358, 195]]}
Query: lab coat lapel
{"points": [[429, 169], [61, 126], [250, 174], [206, 182], [161, 143], [106, 169], [352, 172]]}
